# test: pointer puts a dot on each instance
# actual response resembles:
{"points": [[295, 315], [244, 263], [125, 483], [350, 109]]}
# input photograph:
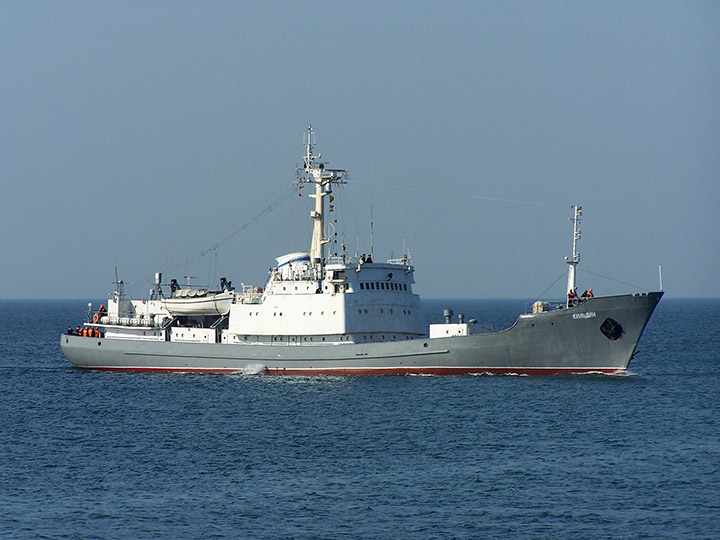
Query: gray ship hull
{"points": [[575, 340]]}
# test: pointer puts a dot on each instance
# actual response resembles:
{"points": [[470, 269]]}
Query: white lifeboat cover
{"points": [[293, 258], [293, 265]]}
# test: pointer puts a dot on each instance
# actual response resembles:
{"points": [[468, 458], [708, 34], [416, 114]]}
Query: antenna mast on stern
{"points": [[573, 262], [314, 172]]}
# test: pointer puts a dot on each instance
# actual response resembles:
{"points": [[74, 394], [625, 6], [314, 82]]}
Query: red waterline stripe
{"points": [[375, 371], [442, 371]]}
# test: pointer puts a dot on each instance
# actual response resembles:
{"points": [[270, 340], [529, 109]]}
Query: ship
{"points": [[347, 314]]}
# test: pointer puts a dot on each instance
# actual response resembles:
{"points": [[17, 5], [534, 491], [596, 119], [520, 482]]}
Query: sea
{"points": [[107, 455]]}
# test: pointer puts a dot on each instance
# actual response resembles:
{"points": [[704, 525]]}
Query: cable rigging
{"points": [[181, 262]]}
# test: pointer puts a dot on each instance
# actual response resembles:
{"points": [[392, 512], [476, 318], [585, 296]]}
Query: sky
{"points": [[143, 137]]}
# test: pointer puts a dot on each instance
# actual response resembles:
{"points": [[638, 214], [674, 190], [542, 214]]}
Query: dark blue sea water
{"points": [[88, 455]]}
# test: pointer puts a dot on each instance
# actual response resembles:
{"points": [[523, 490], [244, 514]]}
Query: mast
{"points": [[314, 172], [119, 287], [575, 259], [372, 228]]}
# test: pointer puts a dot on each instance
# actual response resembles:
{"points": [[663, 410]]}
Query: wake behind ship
{"points": [[347, 314]]}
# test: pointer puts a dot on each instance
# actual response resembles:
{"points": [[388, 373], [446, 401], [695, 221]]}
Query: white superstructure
{"points": [[308, 298]]}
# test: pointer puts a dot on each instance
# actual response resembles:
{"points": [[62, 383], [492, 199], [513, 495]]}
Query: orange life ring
{"points": [[96, 318]]}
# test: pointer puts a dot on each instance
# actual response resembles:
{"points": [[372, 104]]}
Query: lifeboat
{"points": [[199, 302]]}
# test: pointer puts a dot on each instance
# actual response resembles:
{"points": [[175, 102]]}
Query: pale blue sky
{"points": [[142, 134]]}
